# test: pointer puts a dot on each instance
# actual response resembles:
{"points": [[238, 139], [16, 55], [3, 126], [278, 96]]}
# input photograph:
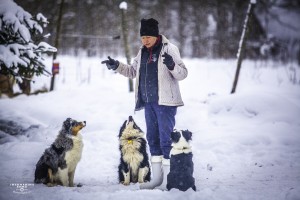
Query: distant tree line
{"points": [[201, 28]]}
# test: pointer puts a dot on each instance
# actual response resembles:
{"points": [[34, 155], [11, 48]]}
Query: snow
{"points": [[277, 18], [123, 5], [245, 146], [13, 15], [20, 50]]}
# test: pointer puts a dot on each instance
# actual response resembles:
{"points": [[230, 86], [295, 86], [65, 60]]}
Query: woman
{"points": [[157, 68]]}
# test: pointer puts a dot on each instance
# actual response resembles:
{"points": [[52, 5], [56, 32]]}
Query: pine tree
{"points": [[21, 45]]}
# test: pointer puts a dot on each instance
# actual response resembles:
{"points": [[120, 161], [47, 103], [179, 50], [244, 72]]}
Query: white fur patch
{"points": [[130, 150], [72, 158], [142, 174], [182, 146], [62, 176], [126, 178]]}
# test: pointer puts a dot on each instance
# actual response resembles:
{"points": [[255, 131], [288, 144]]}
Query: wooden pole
{"points": [[242, 45], [123, 7], [57, 41]]}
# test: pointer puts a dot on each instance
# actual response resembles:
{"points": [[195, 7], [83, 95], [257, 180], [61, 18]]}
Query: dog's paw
{"points": [[125, 183], [51, 184]]}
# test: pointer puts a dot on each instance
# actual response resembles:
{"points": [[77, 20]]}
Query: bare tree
{"points": [[242, 45]]}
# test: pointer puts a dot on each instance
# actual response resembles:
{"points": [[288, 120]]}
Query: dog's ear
{"points": [[122, 128], [187, 135], [67, 124], [175, 136]]}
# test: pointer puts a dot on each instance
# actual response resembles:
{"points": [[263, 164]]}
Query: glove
{"points": [[111, 63], [168, 61]]}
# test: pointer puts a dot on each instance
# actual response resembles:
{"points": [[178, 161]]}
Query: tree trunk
{"points": [[181, 25], [57, 40], [6, 85], [25, 86], [126, 45], [242, 45]]}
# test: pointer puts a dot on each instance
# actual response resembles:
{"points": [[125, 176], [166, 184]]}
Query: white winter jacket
{"points": [[168, 87]]}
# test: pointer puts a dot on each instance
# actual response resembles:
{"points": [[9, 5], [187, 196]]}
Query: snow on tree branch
{"points": [[123, 5], [20, 54]]}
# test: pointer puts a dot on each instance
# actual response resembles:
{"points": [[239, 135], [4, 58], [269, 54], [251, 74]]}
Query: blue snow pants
{"points": [[160, 122]]}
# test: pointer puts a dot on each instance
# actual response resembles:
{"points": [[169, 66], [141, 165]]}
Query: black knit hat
{"points": [[149, 27]]}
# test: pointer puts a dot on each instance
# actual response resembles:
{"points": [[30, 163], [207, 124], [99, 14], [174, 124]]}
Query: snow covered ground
{"points": [[246, 145]]}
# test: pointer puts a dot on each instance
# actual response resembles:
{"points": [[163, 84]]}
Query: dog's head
{"points": [[180, 139], [130, 133], [72, 127]]}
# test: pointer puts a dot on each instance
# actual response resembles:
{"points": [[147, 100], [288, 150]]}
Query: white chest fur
{"points": [[73, 156], [132, 156], [182, 146]]}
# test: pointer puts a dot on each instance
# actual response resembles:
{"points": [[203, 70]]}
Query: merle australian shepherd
{"points": [[181, 163], [134, 161], [58, 163]]}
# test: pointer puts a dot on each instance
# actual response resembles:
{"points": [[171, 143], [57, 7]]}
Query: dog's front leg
{"points": [[126, 177], [63, 176], [142, 174], [50, 178], [71, 178]]}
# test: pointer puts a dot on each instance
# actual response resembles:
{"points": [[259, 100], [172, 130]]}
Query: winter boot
{"points": [[157, 174], [166, 171]]}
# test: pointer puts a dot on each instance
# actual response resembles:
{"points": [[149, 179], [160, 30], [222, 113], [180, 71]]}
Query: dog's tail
{"points": [[46, 162], [41, 173]]}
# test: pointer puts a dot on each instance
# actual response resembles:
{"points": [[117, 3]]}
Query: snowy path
{"points": [[245, 146]]}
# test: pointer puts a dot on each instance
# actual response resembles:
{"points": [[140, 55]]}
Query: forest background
{"points": [[200, 28]]}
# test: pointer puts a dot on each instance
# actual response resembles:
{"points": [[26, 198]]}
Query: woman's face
{"points": [[148, 41]]}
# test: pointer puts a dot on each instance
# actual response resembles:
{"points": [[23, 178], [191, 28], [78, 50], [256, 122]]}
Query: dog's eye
{"points": [[135, 126]]}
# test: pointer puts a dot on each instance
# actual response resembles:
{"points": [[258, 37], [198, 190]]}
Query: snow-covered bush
{"points": [[21, 45]]}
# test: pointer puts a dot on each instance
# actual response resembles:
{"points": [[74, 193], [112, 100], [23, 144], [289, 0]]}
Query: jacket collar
{"points": [[164, 39]]}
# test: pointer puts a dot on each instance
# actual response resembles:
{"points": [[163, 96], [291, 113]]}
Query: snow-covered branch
{"points": [[19, 53]]}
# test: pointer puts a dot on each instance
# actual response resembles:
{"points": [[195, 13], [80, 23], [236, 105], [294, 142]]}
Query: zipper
{"points": [[146, 80]]}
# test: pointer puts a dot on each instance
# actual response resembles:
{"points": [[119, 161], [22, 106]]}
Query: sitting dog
{"points": [[58, 163], [134, 162], [181, 163]]}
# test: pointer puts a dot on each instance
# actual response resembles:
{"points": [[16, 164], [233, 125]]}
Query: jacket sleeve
{"points": [[129, 70], [179, 72]]}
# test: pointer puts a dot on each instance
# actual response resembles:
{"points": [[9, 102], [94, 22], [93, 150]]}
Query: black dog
{"points": [[181, 163], [134, 163]]}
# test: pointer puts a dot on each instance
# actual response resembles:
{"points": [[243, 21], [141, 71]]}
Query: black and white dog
{"points": [[181, 162], [134, 163], [58, 163]]}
